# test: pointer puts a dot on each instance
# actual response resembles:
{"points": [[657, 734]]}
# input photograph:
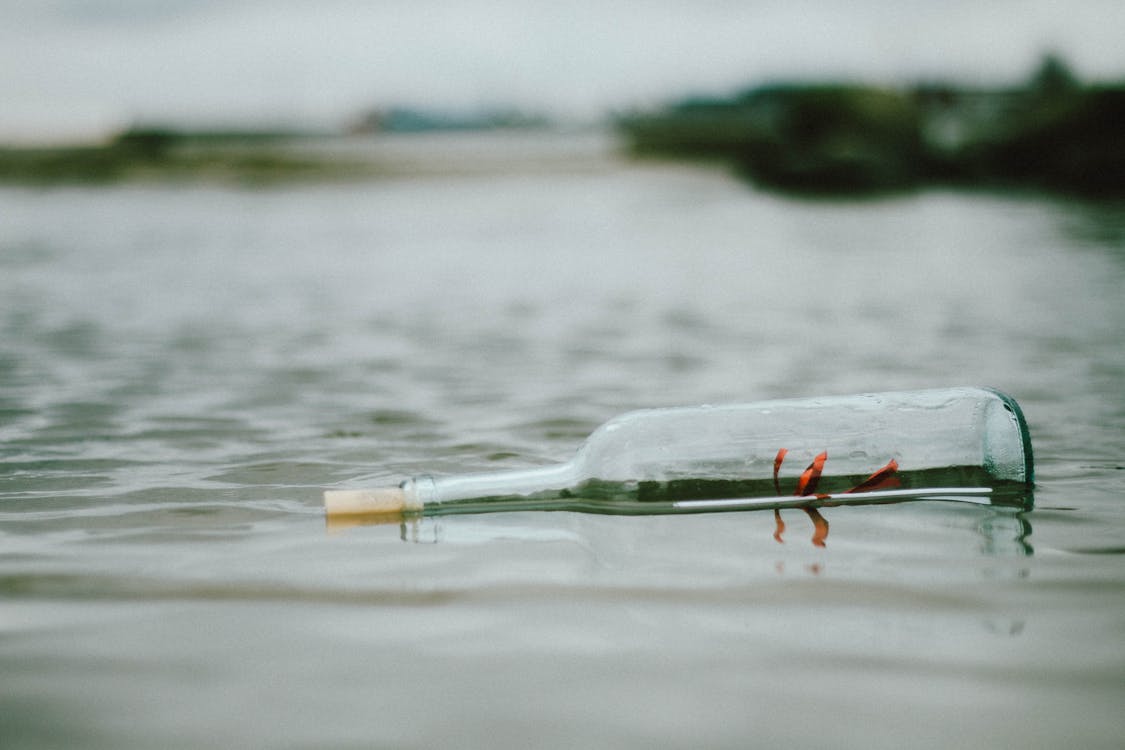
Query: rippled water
{"points": [[183, 369]]}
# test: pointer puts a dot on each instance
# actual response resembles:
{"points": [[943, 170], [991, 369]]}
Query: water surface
{"points": [[184, 367]]}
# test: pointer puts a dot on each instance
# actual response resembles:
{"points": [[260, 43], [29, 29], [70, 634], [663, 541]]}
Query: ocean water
{"points": [[185, 367]]}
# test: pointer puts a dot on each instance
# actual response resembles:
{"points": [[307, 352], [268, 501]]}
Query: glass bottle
{"points": [[967, 444]]}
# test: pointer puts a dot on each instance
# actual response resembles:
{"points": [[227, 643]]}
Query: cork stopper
{"points": [[382, 501], [343, 522]]}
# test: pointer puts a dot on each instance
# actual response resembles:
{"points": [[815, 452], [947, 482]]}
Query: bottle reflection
{"points": [[1005, 544], [1005, 535], [820, 527]]}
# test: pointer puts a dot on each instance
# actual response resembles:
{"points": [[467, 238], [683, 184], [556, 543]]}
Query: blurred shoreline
{"points": [[261, 158], [1051, 134]]}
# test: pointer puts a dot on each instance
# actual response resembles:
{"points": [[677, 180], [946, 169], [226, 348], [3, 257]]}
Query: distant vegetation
{"points": [[239, 156], [413, 120], [138, 153], [1052, 133]]}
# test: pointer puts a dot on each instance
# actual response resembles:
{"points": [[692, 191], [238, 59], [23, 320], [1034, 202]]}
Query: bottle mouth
{"points": [[419, 492]]}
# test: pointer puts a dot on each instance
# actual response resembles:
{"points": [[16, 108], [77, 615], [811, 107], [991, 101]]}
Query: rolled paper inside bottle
{"points": [[382, 501], [980, 495]]}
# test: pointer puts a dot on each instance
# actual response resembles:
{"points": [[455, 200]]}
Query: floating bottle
{"points": [[964, 444]]}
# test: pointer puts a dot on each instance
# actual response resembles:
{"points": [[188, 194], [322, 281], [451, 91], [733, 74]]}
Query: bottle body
{"points": [[969, 443]]}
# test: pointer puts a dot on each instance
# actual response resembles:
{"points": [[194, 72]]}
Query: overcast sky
{"points": [[79, 66]]}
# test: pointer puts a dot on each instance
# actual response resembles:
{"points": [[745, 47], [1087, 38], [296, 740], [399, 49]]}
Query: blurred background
{"points": [[252, 249], [805, 95], [84, 67], [77, 67]]}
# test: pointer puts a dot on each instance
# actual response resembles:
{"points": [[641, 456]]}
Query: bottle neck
{"points": [[427, 490]]}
